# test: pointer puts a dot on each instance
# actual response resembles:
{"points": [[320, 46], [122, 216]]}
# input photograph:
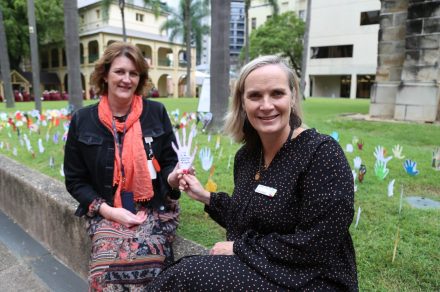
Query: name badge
{"points": [[267, 191], [153, 173]]}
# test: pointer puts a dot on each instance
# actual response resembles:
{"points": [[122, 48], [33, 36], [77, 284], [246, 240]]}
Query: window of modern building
{"points": [[302, 14], [345, 85], [98, 13], [370, 17], [364, 83], [254, 23], [342, 51], [139, 17], [268, 17]]}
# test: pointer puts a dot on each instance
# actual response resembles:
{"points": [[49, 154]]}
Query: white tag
{"points": [[148, 140], [267, 191], [153, 173]]}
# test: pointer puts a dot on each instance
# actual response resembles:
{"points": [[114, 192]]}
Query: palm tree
{"points": [[247, 5], [220, 62], [73, 54], [186, 22], [155, 5], [4, 65], [35, 59], [305, 49]]}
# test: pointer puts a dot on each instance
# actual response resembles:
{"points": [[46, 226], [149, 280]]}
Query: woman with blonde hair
{"points": [[287, 221]]}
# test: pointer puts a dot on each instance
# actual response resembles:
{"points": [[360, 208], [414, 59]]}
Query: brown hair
{"points": [[103, 65], [236, 123]]}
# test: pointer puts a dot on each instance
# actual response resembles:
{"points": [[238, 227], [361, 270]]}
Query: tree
{"points": [[281, 35], [247, 5], [49, 19], [220, 62], [4, 64], [34, 55], [186, 22], [155, 5], [305, 51], [73, 54]]}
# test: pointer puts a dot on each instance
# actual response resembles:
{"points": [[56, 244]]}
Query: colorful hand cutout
{"points": [[183, 149], [411, 167], [391, 188], [360, 144], [362, 172], [436, 158], [206, 158], [335, 135], [397, 151], [357, 161], [379, 153], [380, 169]]}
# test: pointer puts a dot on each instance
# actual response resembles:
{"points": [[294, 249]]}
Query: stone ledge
{"points": [[42, 206]]}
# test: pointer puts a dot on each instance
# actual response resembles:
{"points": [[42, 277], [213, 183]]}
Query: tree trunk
{"points": [[34, 55], [188, 47], [5, 66], [305, 49], [246, 30], [220, 62], [73, 54], [122, 7]]}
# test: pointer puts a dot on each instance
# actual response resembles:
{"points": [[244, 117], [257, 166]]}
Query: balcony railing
{"points": [[165, 62], [183, 63]]}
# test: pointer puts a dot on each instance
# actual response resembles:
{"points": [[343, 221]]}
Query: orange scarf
{"points": [[134, 158]]}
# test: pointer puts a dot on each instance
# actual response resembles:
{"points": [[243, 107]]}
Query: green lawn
{"points": [[417, 261]]}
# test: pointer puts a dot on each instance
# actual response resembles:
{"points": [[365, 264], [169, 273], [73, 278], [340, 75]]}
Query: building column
{"points": [[419, 93], [353, 86], [391, 54]]}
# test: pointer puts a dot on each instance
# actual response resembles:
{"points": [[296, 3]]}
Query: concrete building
{"points": [[237, 30], [260, 11], [236, 37], [342, 52]]}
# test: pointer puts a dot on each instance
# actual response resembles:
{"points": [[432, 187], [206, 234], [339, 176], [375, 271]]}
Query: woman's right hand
{"points": [[191, 185], [122, 216]]}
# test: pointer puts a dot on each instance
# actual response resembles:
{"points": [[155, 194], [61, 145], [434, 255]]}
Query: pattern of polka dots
{"points": [[296, 240]]}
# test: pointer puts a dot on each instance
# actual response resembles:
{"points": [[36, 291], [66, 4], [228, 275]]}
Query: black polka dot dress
{"points": [[296, 240]]}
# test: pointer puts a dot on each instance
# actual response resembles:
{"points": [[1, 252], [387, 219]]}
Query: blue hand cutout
{"points": [[411, 167]]}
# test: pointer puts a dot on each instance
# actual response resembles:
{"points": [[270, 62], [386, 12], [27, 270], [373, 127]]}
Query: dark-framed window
{"points": [[370, 17], [342, 51]]}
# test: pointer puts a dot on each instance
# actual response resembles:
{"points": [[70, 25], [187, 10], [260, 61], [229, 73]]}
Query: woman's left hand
{"points": [[222, 248]]}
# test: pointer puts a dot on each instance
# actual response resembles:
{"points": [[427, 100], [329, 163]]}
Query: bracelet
{"points": [[94, 207]]}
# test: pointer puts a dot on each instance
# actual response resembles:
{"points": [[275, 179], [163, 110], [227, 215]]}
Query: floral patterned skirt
{"points": [[126, 259]]}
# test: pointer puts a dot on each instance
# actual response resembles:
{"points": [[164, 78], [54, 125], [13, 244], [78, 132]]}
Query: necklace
{"points": [[263, 167]]}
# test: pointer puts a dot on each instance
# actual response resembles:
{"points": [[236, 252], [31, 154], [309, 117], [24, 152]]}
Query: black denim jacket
{"points": [[90, 151]]}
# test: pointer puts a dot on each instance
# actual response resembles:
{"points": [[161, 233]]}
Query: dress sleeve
{"points": [[76, 174], [220, 203], [326, 212]]}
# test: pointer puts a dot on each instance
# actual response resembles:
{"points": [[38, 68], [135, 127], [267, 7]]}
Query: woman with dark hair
{"points": [[119, 165], [288, 218]]}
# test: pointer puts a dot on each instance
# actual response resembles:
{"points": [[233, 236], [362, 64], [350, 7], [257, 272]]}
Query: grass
{"points": [[417, 261]]}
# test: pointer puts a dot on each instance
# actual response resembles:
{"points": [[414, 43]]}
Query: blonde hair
{"points": [[236, 124], [104, 63]]}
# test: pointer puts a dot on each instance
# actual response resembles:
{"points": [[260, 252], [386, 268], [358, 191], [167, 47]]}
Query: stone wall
{"points": [[408, 74], [44, 209]]}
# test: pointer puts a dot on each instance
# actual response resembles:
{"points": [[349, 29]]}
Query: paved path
{"points": [[25, 265]]}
